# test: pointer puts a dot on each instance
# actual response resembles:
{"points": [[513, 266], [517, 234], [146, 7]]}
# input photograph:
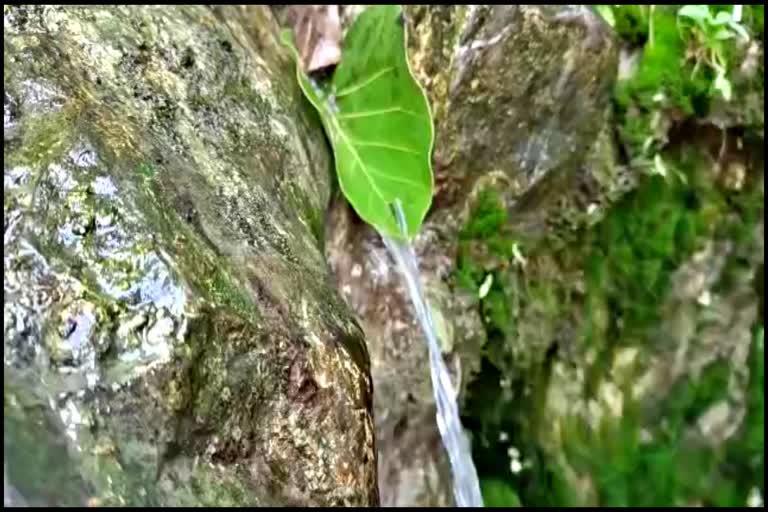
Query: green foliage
{"points": [[756, 17], [635, 249], [628, 471], [651, 455], [688, 400], [627, 261], [497, 493], [147, 169], [486, 249], [631, 22], [710, 33], [644, 238], [488, 217], [746, 453], [485, 225], [670, 466], [660, 73], [378, 121], [627, 258], [689, 55]]}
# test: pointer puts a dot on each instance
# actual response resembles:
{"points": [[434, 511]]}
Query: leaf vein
{"points": [[354, 88], [383, 145], [370, 113], [398, 179]]}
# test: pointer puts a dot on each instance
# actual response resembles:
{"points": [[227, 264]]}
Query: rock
{"points": [[519, 95], [746, 110], [171, 334], [413, 468], [683, 376]]}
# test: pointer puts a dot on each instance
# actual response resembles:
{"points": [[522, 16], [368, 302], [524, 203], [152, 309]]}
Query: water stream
{"points": [[466, 486]]}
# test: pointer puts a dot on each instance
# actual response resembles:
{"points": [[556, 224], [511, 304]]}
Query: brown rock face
{"points": [[171, 334]]}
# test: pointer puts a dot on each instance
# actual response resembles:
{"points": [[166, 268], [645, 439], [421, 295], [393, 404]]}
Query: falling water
{"points": [[466, 487]]}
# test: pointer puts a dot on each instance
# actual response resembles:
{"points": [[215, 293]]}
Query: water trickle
{"points": [[466, 487]]}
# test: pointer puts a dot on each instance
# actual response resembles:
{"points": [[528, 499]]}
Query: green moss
{"points": [[484, 234], [44, 139], [641, 242], [745, 454], [631, 23], [627, 261], [225, 291], [688, 400], [669, 466], [755, 16], [43, 471], [685, 64], [146, 169], [210, 275], [497, 493], [314, 216], [603, 290]]}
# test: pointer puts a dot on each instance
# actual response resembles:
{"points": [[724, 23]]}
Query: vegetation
{"points": [[611, 290]]}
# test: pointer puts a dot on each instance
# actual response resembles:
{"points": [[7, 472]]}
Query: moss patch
{"points": [[598, 294]]}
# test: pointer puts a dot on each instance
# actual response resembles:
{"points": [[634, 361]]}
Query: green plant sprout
{"points": [[378, 121], [708, 33], [687, 55]]}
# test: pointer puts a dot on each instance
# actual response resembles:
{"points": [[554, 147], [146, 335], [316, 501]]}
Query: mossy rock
{"points": [[519, 96], [631, 341], [171, 335]]}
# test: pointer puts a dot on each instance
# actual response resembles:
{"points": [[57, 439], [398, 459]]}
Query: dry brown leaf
{"points": [[317, 32]]}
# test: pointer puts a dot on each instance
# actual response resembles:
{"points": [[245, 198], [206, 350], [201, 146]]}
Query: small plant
{"points": [[708, 34], [686, 59]]}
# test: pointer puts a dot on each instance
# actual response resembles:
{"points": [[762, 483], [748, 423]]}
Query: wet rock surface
{"points": [[171, 336], [519, 96]]}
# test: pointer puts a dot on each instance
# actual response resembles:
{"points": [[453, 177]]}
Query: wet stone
{"points": [[127, 318]]}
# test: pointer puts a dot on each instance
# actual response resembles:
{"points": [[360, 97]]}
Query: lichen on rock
{"points": [[168, 314]]}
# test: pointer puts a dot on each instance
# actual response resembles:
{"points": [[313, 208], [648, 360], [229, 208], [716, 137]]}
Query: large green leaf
{"points": [[378, 120]]}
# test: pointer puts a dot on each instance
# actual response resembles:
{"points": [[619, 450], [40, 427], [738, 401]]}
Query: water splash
{"points": [[466, 487]]}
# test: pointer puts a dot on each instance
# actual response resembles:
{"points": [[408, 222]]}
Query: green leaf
{"points": [[723, 34], [485, 287], [146, 169], [723, 85], [699, 13], [722, 18], [378, 121], [739, 29], [606, 11]]}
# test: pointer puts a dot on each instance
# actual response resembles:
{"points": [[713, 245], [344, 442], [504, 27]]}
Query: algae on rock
{"points": [[171, 336], [624, 352]]}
